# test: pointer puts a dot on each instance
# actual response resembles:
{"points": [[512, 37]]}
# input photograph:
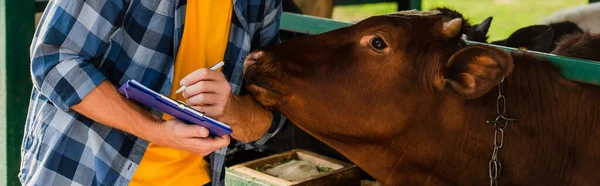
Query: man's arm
{"points": [[269, 35], [73, 33], [105, 105]]}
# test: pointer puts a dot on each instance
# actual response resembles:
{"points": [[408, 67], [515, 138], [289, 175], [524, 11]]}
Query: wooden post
{"points": [[16, 32]]}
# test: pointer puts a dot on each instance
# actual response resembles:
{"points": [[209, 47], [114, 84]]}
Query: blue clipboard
{"points": [[136, 91]]}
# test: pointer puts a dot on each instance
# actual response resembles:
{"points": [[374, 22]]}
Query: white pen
{"points": [[214, 67]]}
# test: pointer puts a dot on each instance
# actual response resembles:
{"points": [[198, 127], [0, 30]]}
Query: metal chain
{"points": [[500, 123]]}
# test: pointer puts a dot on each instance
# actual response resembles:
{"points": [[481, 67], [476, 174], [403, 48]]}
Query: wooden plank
{"points": [[572, 68], [16, 32]]}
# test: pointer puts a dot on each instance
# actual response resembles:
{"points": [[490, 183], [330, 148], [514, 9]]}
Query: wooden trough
{"points": [[246, 174]]}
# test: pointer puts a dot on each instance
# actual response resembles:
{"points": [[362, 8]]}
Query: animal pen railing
{"points": [[17, 27]]}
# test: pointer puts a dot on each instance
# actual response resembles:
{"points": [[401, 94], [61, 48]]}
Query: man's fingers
{"points": [[192, 138], [203, 74], [209, 144], [203, 87], [222, 141], [195, 76], [191, 131], [204, 99]]}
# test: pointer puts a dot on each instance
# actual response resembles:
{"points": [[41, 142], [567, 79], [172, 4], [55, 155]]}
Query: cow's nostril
{"points": [[252, 58]]}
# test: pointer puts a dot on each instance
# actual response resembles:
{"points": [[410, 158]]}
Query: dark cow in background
{"points": [[406, 99], [541, 38], [535, 38], [544, 37]]}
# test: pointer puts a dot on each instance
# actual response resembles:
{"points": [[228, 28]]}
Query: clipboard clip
{"points": [[183, 105], [126, 94]]}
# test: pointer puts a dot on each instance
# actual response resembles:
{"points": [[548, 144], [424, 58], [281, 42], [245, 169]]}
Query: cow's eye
{"points": [[378, 43]]}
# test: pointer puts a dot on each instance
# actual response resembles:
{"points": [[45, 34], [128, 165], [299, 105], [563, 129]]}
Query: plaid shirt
{"points": [[81, 43]]}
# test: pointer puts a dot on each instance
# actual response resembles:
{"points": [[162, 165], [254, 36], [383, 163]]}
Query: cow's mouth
{"points": [[264, 96], [260, 81]]}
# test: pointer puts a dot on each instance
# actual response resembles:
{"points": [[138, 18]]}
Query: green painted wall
{"points": [[2, 94], [16, 31]]}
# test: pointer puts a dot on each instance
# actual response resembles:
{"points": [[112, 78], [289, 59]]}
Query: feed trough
{"points": [[295, 167]]}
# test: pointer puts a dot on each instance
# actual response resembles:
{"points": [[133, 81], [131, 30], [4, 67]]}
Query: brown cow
{"points": [[407, 100]]}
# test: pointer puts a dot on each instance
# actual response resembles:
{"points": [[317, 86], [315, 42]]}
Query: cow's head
{"points": [[535, 37], [370, 80]]}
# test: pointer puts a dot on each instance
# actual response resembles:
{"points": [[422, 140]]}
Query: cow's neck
{"points": [[542, 148], [553, 133], [557, 119], [407, 155]]}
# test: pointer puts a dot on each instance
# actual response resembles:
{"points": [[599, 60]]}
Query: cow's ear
{"points": [[484, 26], [479, 31], [475, 69]]}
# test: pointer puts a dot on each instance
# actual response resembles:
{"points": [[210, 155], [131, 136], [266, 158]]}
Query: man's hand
{"points": [[209, 92], [193, 138]]}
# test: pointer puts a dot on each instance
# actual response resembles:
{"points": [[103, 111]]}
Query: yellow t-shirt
{"points": [[203, 44]]}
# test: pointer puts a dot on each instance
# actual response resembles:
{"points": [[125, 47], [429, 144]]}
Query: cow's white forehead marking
{"points": [[415, 12]]}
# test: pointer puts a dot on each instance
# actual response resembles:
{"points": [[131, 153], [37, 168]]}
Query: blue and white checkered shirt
{"points": [[79, 44]]}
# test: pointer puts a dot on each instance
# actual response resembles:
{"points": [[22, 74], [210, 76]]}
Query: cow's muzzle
{"points": [[262, 79], [252, 58]]}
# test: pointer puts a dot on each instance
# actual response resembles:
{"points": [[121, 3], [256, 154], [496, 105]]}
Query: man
{"points": [[80, 131]]}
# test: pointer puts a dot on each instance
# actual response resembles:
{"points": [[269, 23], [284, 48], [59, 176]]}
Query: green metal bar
{"points": [[416, 4], [308, 24], [402, 4], [409, 4], [574, 69], [16, 31]]}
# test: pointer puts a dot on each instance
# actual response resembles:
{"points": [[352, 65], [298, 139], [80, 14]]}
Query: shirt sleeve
{"points": [[269, 34], [69, 44], [269, 29]]}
